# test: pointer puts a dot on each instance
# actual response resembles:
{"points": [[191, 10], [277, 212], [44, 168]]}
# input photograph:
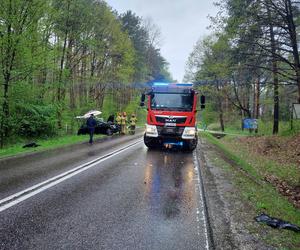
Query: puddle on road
{"points": [[171, 210], [177, 176], [171, 207], [167, 180]]}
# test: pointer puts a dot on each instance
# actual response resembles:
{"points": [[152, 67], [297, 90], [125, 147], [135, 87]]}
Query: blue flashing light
{"points": [[165, 84], [185, 84], [160, 84]]}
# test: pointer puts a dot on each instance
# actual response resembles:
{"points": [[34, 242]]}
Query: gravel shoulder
{"points": [[231, 220]]}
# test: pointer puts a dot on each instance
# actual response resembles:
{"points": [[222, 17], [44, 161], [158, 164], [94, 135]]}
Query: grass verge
{"points": [[261, 196], [46, 144]]}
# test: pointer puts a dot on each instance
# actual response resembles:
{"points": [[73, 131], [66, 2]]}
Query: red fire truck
{"points": [[171, 118]]}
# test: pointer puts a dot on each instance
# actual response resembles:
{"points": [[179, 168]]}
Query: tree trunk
{"points": [[257, 97], [59, 89], [294, 42], [72, 96], [221, 120], [257, 103], [274, 72], [71, 76], [7, 62], [254, 101], [275, 82], [5, 110], [221, 117], [82, 85], [276, 102]]}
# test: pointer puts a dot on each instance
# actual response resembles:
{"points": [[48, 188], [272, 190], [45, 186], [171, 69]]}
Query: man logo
{"points": [[170, 120]]}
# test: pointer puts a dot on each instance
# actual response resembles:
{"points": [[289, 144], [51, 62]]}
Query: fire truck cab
{"points": [[171, 117]]}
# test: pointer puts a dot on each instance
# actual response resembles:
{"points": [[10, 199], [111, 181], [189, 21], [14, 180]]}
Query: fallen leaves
{"points": [[285, 150], [292, 193]]}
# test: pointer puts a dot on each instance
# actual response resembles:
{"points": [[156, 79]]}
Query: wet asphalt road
{"points": [[138, 199]]}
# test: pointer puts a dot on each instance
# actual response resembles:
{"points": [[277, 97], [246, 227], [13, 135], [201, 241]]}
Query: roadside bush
{"points": [[266, 127], [235, 124], [133, 106], [214, 127], [208, 115], [35, 121], [109, 107]]}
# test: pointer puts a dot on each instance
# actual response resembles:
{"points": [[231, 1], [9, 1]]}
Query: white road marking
{"points": [[42, 186], [203, 213]]}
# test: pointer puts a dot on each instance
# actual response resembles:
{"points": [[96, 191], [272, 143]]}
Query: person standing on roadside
{"points": [[118, 120], [132, 121], [123, 123], [91, 124]]}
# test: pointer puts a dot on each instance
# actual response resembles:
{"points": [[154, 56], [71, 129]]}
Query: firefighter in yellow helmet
{"points": [[123, 123], [132, 121], [118, 120]]}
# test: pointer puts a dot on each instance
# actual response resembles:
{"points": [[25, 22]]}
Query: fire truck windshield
{"points": [[172, 101]]}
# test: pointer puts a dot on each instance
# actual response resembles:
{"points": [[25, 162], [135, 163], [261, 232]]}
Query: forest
{"points": [[61, 58], [249, 66]]}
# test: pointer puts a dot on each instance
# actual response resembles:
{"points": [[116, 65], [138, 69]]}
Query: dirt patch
{"points": [[292, 193], [284, 150]]}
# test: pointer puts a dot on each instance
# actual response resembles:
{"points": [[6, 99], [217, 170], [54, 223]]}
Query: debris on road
{"points": [[31, 145], [277, 223]]}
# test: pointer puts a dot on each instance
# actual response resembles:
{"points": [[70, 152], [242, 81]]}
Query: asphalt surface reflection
{"points": [[139, 199]]}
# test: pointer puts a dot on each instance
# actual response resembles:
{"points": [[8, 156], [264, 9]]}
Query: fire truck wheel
{"points": [[149, 142], [192, 144]]}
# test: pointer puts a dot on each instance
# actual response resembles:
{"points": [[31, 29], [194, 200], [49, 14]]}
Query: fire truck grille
{"points": [[177, 120], [170, 131]]}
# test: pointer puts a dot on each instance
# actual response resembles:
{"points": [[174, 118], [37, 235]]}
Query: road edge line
{"points": [[208, 229], [25, 194]]}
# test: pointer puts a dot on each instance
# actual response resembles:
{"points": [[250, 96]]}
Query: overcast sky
{"points": [[182, 23]]}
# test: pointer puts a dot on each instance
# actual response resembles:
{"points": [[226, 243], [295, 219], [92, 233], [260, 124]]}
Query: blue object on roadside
{"points": [[249, 123]]}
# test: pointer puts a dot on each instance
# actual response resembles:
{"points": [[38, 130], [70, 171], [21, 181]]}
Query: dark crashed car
{"points": [[105, 128]]}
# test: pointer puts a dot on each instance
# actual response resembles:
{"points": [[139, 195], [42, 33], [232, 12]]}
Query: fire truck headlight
{"points": [[189, 133], [151, 131]]}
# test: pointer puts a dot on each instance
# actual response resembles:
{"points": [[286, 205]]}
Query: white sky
{"points": [[182, 23]]}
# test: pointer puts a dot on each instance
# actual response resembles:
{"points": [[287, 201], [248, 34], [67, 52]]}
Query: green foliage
{"points": [[265, 128], [209, 114], [109, 106], [149, 64], [65, 58], [132, 24], [238, 61], [35, 120]]}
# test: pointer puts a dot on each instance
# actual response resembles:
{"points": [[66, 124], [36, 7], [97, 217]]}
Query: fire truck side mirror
{"points": [[142, 104], [202, 101]]}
